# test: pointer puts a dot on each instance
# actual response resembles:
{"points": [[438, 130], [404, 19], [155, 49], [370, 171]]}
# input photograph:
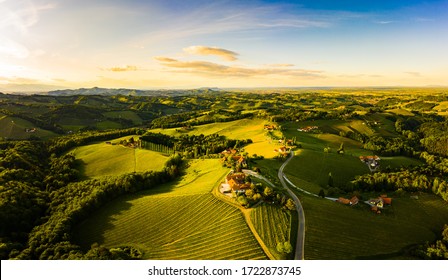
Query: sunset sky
{"points": [[49, 44]]}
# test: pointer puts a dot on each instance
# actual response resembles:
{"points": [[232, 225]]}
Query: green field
{"points": [[273, 225], [314, 167], [14, 128], [181, 220], [103, 159], [336, 231]]}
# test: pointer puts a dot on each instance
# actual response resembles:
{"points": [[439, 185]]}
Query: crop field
{"points": [[336, 231], [272, 224], [103, 159], [14, 128], [181, 220]]}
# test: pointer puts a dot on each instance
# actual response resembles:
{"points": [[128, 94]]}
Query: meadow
{"points": [[15, 128], [337, 232], [181, 220], [101, 159]]}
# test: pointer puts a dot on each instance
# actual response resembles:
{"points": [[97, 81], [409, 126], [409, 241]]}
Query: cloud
{"points": [[414, 74], [214, 69], [123, 69], [281, 65], [203, 50], [384, 21]]}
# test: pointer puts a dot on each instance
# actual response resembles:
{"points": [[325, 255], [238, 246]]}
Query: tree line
{"points": [[41, 199]]}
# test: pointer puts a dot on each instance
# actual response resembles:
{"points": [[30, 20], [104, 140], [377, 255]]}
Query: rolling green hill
{"points": [[15, 128], [103, 159], [181, 220]]}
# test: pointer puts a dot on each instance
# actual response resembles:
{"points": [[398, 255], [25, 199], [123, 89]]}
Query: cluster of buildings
{"points": [[235, 183], [269, 127], [376, 204], [372, 162], [353, 201], [31, 130], [282, 150]]}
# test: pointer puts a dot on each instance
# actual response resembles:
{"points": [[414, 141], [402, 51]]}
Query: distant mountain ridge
{"points": [[125, 91]]}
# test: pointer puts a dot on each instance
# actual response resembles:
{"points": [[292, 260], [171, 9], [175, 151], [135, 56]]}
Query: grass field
{"points": [[181, 220], [336, 231], [103, 159], [14, 128]]}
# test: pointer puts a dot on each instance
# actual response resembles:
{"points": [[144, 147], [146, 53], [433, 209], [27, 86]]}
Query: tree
{"points": [[322, 193], [341, 148], [330, 180], [287, 247], [268, 191], [290, 205]]}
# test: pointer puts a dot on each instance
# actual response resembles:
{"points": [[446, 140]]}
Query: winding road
{"points": [[299, 255]]}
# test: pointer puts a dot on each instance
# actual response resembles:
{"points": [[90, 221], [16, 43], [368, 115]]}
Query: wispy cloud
{"points": [[203, 50], [281, 65], [127, 68], [21, 15], [414, 74], [384, 21], [215, 69]]}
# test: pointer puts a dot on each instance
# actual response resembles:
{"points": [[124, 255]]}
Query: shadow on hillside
{"points": [[92, 230], [80, 165]]}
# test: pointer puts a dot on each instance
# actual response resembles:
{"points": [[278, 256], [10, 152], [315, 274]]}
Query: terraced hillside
{"points": [[182, 220]]}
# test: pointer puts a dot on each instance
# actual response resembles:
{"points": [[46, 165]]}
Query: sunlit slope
{"points": [[181, 220], [239, 129], [103, 159]]}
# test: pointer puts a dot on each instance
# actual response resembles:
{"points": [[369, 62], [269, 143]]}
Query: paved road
{"points": [[301, 230]]}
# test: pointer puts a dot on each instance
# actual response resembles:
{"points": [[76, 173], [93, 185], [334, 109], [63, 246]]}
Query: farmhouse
{"points": [[31, 130], [377, 204], [269, 127], [372, 162], [353, 201], [237, 182], [228, 152], [282, 150], [308, 128]]}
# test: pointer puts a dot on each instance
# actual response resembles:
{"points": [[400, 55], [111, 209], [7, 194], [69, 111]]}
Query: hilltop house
{"points": [[377, 204], [372, 162], [282, 150], [227, 152], [237, 182], [353, 201], [269, 127]]}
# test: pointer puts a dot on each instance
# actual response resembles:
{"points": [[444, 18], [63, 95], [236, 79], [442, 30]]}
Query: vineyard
{"points": [[272, 224], [103, 159], [182, 220]]}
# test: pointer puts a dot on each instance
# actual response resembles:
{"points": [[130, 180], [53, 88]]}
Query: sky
{"points": [[150, 44]]}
